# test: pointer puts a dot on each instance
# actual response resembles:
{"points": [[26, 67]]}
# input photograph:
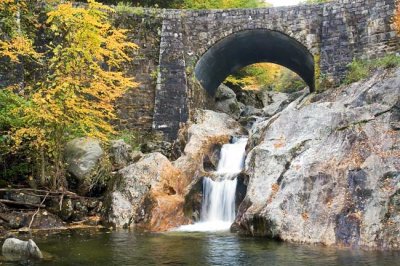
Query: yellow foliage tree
{"points": [[83, 78], [397, 17]]}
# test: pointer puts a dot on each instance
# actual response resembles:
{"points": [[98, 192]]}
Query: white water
{"points": [[218, 205]]}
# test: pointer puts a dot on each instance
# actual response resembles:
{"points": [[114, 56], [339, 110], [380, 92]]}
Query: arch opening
{"points": [[249, 47]]}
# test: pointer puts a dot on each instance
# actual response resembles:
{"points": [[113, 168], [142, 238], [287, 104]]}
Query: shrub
{"points": [[360, 69]]}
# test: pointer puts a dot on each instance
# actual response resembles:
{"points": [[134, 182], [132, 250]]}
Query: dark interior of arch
{"points": [[249, 47]]}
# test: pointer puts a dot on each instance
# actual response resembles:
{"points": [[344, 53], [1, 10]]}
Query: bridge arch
{"points": [[248, 47]]}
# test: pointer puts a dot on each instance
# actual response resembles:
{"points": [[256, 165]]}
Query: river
{"points": [[178, 248]]}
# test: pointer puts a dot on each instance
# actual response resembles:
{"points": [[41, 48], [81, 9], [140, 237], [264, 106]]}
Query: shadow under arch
{"points": [[248, 47]]}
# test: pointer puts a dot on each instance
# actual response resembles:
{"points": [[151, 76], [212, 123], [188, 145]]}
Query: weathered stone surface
{"points": [[224, 93], [150, 193], [163, 147], [229, 106], [138, 185], [276, 101], [120, 153], [334, 32], [226, 101], [82, 156], [249, 110], [15, 249], [208, 129], [19, 219], [22, 197], [326, 169], [250, 97]]}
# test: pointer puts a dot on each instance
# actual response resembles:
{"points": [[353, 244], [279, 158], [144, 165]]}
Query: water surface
{"points": [[176, 248]]}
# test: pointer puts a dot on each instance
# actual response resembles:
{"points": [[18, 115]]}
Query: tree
{"points": [[266, 76], [397, 17], [193, 4], [82, 78]]}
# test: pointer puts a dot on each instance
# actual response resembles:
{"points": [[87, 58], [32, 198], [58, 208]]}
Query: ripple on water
{"points": [[194, 248]]}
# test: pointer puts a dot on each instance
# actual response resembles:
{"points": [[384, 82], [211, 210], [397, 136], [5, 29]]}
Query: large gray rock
{"points": [[326, 169], [15, 249], [132, 187], [224, 93], [82, 156], [275, 102], [226, 101]]}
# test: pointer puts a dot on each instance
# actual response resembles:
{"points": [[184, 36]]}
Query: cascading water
{"points": [[218, 204]]}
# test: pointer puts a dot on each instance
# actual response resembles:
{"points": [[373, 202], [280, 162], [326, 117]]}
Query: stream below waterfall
{"points": [[219, 194], [83, 247]]}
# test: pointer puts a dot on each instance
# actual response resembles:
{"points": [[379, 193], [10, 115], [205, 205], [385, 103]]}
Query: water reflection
{"points": [[127, 248]]}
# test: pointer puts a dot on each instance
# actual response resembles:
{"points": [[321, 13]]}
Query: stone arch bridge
{"points": [[186, 54]]}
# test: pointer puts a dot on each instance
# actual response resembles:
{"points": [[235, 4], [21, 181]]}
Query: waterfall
{"points": [[219, 194]]}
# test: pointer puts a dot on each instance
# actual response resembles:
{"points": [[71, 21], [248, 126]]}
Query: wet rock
{"points": [[67, 209], [211, 159], [80, 211], [120, 153], [193, 199], [83, 156], [15, 249], [326, 169], [22, 197], [208, 129]]}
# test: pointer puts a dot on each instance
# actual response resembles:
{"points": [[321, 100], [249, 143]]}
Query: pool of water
{"points": [[178, 248]]}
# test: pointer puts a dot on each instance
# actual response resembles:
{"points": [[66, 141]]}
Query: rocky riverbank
{"points": [[321, 168], [326, 169]]}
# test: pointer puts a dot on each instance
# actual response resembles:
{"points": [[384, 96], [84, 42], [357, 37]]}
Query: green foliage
{"points": [[130, 137], [192, 4], [360, 69], [81, 78], [210, 4], [146, 3], [316, 1], [123, 7]]}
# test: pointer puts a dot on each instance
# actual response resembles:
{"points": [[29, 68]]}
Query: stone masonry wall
{"points": [[336, 31], [172, 41], [136, 108]]}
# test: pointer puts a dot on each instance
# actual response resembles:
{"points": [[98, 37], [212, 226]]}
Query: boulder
{"points": [[224, 93], [150, 193], [140, 192], [249, 110], [120, 153], [326, 168], [225, 99], [15, 249], [275, 102], [43, 220], [230, 107], [82, 156], [209, 130], [250, 97], [160, 146]]}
